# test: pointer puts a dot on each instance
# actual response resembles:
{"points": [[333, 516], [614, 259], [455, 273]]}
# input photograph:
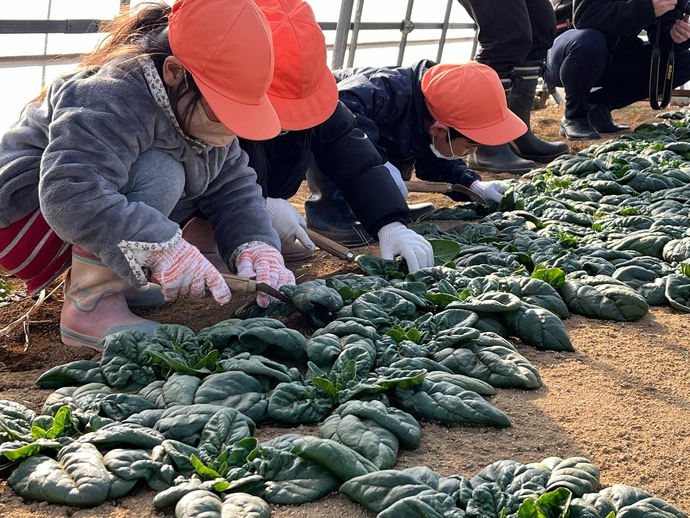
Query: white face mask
{"points": [[203, 128], [437, 153]]}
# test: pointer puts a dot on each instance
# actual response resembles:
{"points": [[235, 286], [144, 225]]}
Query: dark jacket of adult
{"points": [[621, 19], [390, 108], [344, 154]]}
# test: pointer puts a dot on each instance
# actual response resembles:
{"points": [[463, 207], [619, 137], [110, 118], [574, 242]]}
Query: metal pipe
{"points": [[444, 31], [65, 59], [355, 33], [405, 27], [342, 29], [45, 45]]}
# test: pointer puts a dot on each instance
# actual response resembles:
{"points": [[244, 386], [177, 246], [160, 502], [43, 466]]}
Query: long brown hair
{"points": [[141, 31]]}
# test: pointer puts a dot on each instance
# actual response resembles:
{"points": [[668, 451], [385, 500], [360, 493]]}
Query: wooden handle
{"points": [[240, 284], [332, 247], [440, 187]]}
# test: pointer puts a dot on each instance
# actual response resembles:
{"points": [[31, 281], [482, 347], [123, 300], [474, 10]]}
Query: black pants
{"points": [[512, 31], [580, 61]]}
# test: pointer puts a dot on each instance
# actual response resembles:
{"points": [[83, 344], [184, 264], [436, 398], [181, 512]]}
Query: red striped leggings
{"points": [[32, 251]]}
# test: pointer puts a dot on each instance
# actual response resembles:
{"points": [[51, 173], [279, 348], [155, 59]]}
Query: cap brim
{"points": [[248, 121], [502, 132], [310, 111]]}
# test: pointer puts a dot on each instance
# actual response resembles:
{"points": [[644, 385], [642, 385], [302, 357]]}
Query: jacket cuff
{"points": [[137, 253]]}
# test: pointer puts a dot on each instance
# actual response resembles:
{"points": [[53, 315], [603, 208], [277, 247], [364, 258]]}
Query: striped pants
{"points": [[32, 251]]}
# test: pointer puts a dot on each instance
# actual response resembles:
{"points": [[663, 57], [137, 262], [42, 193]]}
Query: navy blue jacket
{"points": [[390, 108], [344, 154], [621, 19]]}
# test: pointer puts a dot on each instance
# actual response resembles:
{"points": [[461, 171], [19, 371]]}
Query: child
{"points": [[429, 116], [104, 163], [317, 127]]}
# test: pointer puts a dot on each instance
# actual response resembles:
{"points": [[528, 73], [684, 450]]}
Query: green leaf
{"points": [[566, 239], [178, 366], [315, 371], [221, 486], [440, 299], [243, 451], [326, 385], [553, 276], [207, 361], [528, 509], [23, 452], [62, 421], [554, 504], [414, 335], [349, 373], [445, 250], [37, 432], [204, 471], [685, 268], [397, 333]]}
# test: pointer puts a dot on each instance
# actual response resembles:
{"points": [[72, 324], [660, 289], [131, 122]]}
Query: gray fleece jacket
{"points": [[71, 155]]}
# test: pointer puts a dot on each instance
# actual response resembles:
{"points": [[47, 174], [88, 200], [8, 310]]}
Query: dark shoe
{"points": [[601, 120], [417, 210], [351, 236], [521, 101], [328, 213], [498, 159], [531, 147], [578, 129], [294, 251]]}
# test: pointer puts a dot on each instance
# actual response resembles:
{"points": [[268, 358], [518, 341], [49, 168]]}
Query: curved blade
{"points": [[246, 285]]}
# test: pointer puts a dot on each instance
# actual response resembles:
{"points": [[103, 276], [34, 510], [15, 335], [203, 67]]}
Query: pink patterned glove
{"points": [[265, 263], [183, 270]]}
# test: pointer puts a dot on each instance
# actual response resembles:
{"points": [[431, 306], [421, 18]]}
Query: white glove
{"points": [[288, 223], [396, 239], [395, 173], [490, 191]]}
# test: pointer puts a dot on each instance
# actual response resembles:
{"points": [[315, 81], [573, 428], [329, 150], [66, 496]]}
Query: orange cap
{"points": [[226, 46], [471, 99], [303, 91]]}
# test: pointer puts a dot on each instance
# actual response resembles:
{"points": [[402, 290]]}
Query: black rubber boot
{"points": [[520, 102], [417, 210], [601, 120], [328, 213], [499, 159], [578, 129]]}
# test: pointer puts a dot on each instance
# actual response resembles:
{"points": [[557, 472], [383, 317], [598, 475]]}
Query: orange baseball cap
{"points": [[470, 98], [226, 45], [303, 91]]}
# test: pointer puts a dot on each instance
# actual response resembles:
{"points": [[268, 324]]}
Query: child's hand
{"points": [[490, 191], [265, 264], [183, 270]]}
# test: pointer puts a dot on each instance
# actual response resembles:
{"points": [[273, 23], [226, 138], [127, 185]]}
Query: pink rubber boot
{"points": [[95, 304]]}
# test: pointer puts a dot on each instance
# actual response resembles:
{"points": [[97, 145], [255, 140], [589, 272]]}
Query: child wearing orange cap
{"points": [[100, 168], [320, 135], [429, 116], [317, 128]]}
